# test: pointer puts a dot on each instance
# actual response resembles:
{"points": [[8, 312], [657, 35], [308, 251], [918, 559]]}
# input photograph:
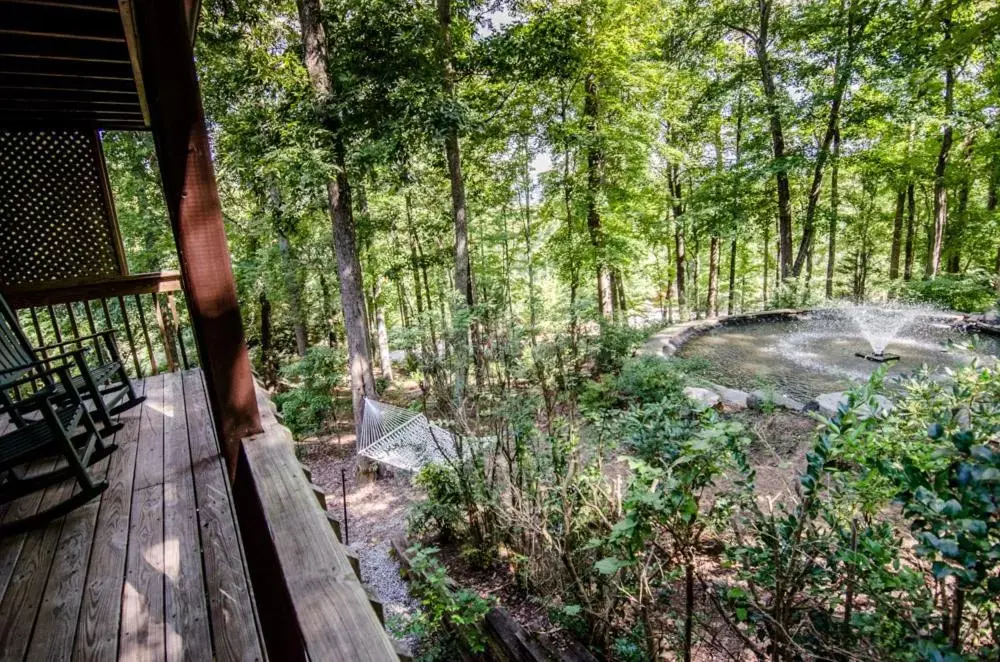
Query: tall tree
{"points": [[352, 291]]}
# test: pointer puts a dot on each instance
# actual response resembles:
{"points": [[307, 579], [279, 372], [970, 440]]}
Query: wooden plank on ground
{"points": [[331, 607], [27, 585], [100, 609], [142, 629], [55, 625], [10, 547], [234, 624], [187, 634]]}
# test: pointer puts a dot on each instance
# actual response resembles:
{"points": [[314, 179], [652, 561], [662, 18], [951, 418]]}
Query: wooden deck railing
{"points": [[147, 312]]}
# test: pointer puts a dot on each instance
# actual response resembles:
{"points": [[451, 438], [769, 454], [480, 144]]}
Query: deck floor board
{"points": [[154, 568]]}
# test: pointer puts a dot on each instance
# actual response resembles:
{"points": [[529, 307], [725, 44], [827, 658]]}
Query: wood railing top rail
{"points": [[331, 609], [70, 291]]}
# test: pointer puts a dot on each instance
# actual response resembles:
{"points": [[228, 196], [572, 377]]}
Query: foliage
{"points": [[449, 622], [972, 292], [615, 343], [441, 514], [648, 379], [308, 406]]}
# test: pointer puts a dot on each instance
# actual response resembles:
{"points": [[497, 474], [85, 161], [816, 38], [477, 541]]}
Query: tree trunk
{"points": [[268, 363], [911, 212], [777, 140], [680, 256], [991, 200], [464, 299], [897, 235], [294, 292], [940, 169], [767, 268], [831, 253], [732, 276], [595, 180], [713, 277], [382, 333], [339, 198], [956, 229]]}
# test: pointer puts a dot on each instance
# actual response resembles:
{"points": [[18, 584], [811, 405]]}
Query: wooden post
{"points": [[185, 160]]}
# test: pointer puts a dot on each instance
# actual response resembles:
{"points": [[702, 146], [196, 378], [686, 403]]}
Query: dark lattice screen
{"points": [[56, 217]]}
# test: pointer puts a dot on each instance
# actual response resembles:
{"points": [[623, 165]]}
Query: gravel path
{"points": [[376, 513]]}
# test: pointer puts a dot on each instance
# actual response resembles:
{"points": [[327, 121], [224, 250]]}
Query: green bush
{"points": [[307, 408], [448, 624], [972, 292], [647, 379], [615, 343], [441, 514]]}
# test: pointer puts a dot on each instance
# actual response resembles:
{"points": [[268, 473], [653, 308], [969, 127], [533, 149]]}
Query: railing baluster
{"points": [[128, 333], [172, 302], [55, 323], [145, 333], [93, 331], [38, 327], [72, 325], [166, 333]]}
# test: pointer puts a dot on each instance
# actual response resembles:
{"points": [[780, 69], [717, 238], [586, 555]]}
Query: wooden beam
{"points": [[108, 7], [135, 56], [17, 43], [85, 290], [188, 176], [45, 65]]}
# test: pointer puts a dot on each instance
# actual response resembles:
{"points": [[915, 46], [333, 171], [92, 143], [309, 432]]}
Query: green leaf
{"points": [[609, 565]]}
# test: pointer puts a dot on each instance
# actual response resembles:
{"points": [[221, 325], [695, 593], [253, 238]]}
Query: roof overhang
{"points": [[74, 63]]}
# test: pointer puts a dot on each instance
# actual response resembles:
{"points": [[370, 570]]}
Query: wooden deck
{"points": [[154, 569]]}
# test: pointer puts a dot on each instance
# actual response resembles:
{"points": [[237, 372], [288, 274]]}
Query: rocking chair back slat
{"points": [[15, 351]]}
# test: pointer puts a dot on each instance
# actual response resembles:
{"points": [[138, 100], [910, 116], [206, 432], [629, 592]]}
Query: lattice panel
{"points": [[56, 218]]}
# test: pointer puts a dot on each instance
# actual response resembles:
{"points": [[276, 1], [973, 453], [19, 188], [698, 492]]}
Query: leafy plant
{"points": [[971, 292], [307, 408], [449, 620], [615, 343], [647, 379]]}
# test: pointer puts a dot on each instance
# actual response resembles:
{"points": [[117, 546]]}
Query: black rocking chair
{"points": [[106, 385], [54, 434]]}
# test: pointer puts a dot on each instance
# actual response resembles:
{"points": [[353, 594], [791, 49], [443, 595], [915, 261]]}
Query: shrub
{"points": [[647, 379], [441, 514], [972, 292], [614, 344], [307, 407], [448, 624]]}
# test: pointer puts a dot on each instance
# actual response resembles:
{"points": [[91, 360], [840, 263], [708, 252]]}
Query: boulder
{"points": [[828, 403], [757, 399], [732, 399], [703, 398]]}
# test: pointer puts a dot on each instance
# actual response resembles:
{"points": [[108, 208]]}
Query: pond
{"points": [[816, 353]]}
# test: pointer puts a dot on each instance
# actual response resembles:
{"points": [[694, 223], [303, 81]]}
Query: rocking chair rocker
{"points": [[53, 434]]}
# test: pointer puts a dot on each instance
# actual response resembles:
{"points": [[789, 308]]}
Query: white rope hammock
{"points": [[402, 438]]}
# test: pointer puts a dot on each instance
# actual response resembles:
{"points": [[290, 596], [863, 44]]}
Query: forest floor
{"points": [[376, 513]]}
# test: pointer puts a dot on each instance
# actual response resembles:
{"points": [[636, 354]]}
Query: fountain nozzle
{"points": [[878, 357]]}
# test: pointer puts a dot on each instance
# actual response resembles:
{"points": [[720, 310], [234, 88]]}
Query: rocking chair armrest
{"points": [[74, 341], [39, 370], [72, 354]]}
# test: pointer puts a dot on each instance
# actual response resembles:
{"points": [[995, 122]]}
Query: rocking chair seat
{"points": [[23, 444]]}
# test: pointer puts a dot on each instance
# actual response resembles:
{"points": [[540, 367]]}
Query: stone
{"points": [[758, 398], [703, 398], [828, 403], [732, 399]]}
